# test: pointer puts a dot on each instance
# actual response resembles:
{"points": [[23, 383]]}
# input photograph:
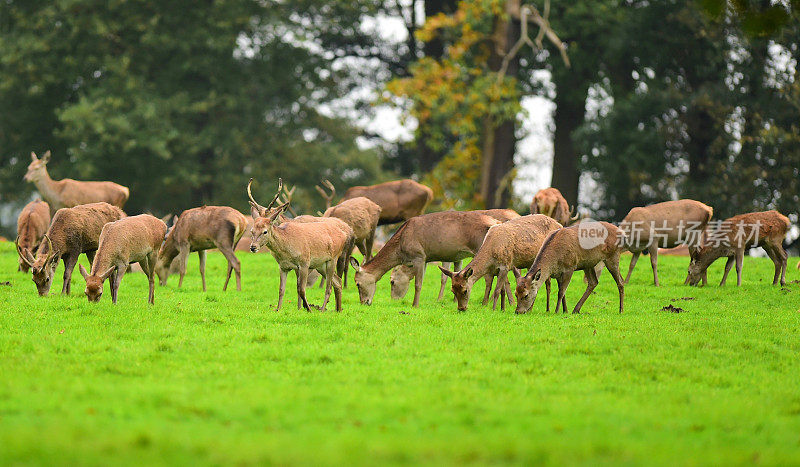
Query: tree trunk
{"points": [[570, 110]]}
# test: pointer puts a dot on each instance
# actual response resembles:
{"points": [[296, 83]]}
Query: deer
{"points": [[300, 246], [32, 224], [440, 236], [73, 231], [362, 215], [551, 203], [134, 239], [399, 200], [400, 278], [512, 244], [665, 225], [200, 229], [580, 246], [68, 193], [737, 234]]}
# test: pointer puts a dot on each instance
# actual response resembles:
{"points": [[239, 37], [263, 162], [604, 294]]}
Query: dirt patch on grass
{"points": [[673, 309]]}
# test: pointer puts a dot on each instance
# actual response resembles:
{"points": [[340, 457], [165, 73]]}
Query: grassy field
{"points": [[221, 378]]}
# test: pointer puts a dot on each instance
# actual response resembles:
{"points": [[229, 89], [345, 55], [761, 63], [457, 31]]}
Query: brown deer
{"points": [[737, 234], [399, 200], [67, 193], [32, 224], [512, 244], [133, 239], [200, 229], [362, 216], [664, 225], [400, 278], [439, 236], [551, 203], [581, 246], [73, 231], [301, 246]]}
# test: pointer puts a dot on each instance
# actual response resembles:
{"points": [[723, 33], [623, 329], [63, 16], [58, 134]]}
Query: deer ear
{"points": [[254, 211], [467, 273], [516, 272], [46, 157], [446, 272], [538, 275], [275, 215], [354, 262], [33, 157], [83, 271], [108, 272]]}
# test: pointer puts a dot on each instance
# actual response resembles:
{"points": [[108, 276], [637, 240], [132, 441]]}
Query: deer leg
{"points": [[488, 278], [562, 289], [116, 280], [368, 243], [90, 257], [149, 268], [419, 274], [202, 255], [634, 259], [509, 293], [775, 262], [498, 286], [443, 281], [183, 257], [337, 291], [547, 290], [282, 288], [613, 268], [233, 264], [330, 268], [739, 261], [591, 283], [728, 266], [302, 276], [784, 260], [69, 265], [653, 262]]}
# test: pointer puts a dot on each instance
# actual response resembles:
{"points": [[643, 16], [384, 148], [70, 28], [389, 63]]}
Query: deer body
{"points": [[72, 232], [562, 254], [67, 193], [551, 203], [510, 245], [441, 236], [362, 215], [133, 239], [200, 229], [399, 200], [32, 224], [737, 234]]}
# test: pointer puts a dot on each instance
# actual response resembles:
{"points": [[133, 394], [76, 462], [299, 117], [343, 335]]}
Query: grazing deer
{"points": [[399, 200], [439, 236], [67, 193], [400, 278], [301, 246], [200, 229], [737, 234], [512, 244], [551, 203], [664, 225], [73, 231], [566, 250], [32, 224], [134, 239]]}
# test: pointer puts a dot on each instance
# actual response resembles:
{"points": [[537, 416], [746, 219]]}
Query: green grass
{"points": [[221, 378]]}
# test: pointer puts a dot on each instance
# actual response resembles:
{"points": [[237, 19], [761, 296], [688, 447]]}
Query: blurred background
{"points": [[184, 101]]}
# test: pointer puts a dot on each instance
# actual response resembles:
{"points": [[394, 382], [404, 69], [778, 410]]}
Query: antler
{"points": [[327, 197], [287, 198], [574, 218], [25, 255], [50, 252], [261, 209]]}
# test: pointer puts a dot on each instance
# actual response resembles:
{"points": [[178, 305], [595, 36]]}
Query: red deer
{"points": [[552, 203], [73, 231], [362, 216], [510, 245], [32, 224], [567, 250], [439, 236], [737, 234], [400, 278], [200, 229], [399, 200], [300, 246], [130, 240], [664, 225], [67, 193]]}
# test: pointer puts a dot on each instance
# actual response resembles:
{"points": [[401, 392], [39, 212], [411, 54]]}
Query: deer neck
{"points": [[480, 265], [46, 186], [387, 258]]}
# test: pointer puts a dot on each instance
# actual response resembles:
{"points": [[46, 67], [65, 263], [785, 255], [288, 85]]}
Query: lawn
{"points": [[221, 378]]}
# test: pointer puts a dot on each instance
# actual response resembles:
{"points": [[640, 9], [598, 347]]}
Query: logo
{"points": [[591, 234]]}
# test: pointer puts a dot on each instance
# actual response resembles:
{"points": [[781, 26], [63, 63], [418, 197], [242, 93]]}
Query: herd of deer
{"points": [[87, 218]]}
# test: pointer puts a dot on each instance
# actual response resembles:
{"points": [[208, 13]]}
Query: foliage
{"points": [[220, 378]]}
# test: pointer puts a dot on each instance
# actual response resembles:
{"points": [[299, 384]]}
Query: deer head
{"points": [[38, 167], [43, 267], [94, 282]]}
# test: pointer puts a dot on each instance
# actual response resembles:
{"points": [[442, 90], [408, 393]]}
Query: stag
{"points": [[551, 203], [399, 200], [73, 231], [665, 225], [737, 234], [441, 236], [67, 193], [300, 246], [200, 229], [130, 240], [32, 224], [566, 250]]}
